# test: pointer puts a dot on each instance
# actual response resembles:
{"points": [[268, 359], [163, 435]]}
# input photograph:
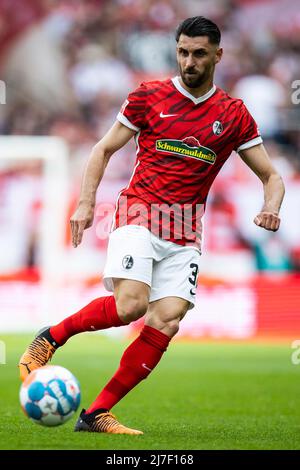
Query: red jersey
{"points": [[182, 143]]}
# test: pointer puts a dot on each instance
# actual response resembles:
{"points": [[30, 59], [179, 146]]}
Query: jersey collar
{"points": [[184, 92]]}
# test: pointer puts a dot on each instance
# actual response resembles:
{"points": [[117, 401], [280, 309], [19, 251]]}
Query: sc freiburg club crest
{"points": [[217, 128], [127, 262]]}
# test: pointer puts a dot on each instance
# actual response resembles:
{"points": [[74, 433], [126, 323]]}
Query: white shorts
{"points": [[168, 268]]}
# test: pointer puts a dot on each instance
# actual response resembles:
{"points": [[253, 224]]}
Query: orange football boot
{"points": [[38, 353], [102, 421]]}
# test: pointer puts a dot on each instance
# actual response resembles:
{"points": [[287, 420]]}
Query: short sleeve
{"points": [[248, 134], [133, 111]]}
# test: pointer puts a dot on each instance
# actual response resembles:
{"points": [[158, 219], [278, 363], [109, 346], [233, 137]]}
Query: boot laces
{"points": [[106, 421], [41, 351]]}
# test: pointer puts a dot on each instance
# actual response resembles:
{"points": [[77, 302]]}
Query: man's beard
{"points": [[194, 80]]}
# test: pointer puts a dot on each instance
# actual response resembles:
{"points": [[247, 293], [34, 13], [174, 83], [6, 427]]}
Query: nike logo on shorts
{"points": [[146, 367], [162, 115]]}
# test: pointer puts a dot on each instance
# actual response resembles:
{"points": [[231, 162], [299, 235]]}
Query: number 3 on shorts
{"points": [[193, 278]]}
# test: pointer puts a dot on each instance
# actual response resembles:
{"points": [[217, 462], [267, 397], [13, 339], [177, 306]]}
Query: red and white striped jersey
{"points": [[182, 143]]}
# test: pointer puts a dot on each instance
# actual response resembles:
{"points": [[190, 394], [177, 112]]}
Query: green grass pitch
{"points": [[201, 396]]}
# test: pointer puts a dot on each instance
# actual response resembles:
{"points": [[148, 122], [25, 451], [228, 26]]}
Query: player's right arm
{"points": [[83, 217]]}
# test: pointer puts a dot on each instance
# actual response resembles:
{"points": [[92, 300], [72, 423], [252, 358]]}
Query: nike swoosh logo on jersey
{"points": [[162, 115], [146, 367]]}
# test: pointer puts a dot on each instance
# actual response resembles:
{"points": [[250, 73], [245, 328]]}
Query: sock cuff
{"points": [[155, 337], [111, 311]]}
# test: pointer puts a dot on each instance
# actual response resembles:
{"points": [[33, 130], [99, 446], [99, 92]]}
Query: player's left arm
{"points": [[259, 161]]}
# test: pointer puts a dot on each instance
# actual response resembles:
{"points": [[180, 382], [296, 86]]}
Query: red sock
{"points": [[136, 364], [99, 314]]}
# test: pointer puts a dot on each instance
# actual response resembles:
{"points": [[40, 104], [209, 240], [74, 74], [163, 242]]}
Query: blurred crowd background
{"points": [[68, 66]]}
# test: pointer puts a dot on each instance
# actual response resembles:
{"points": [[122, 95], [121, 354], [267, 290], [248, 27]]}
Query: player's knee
{"points": [[167, 326], [171, 327], [131, 308]]}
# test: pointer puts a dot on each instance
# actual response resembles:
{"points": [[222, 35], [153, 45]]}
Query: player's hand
{"points": [[268, 220], [81, 220]]}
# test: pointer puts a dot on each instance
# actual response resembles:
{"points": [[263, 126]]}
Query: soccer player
{"points": [[185, 129]]}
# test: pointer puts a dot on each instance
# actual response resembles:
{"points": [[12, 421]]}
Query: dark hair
{"points": [[199, 26]]}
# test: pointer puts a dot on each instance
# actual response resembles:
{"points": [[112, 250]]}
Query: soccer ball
{"points": [[50, 395]]}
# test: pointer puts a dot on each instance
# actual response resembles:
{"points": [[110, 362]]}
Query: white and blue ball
{"points": [[50, 395]]}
